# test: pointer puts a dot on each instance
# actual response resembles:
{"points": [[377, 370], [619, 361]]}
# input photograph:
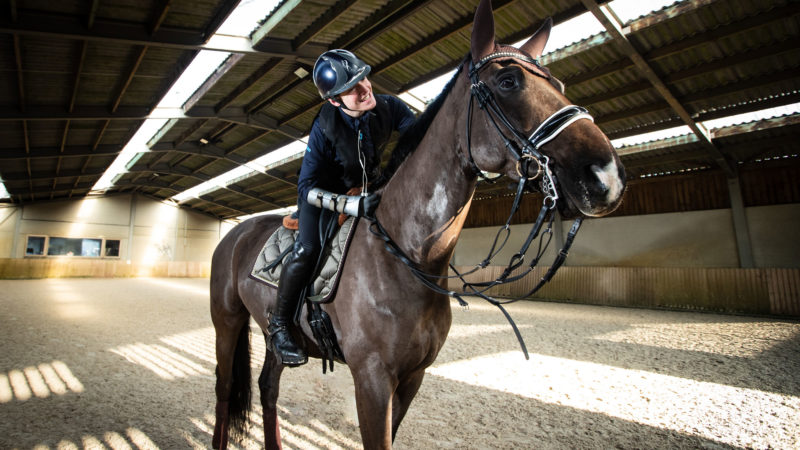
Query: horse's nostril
{"points": [[597, 176], [604, 177]]}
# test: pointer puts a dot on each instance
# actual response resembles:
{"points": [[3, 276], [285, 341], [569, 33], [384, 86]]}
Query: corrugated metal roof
{"points": [[77, 83]]}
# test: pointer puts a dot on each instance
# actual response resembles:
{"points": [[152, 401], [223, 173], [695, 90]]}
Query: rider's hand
{"points": [[368, 205]]}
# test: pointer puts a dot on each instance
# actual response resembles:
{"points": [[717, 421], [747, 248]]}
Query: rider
{"points": [[344, 153]]}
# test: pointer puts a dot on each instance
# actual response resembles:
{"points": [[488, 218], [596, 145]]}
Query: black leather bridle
{"points": [[526, 151]]}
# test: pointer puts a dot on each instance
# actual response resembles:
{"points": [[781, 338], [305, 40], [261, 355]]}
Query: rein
{"points": [[526, 151]]}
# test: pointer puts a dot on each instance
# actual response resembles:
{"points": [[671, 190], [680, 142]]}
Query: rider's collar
{"points": [[355, 122], [507, 53]]}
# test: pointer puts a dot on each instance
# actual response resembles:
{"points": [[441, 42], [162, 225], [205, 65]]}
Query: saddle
{"points": [[268, 265], [267, 269]]}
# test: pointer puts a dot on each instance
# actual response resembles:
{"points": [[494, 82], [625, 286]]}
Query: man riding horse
{"points": [[344, 153]]}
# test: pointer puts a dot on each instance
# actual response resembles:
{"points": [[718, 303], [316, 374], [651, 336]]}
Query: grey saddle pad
{"points": [[283, 238]]}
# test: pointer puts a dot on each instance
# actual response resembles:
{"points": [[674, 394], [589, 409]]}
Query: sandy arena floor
{"points": [[129, 364]]}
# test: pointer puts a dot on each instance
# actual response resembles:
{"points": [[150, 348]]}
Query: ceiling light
{"points": [[301, 72]]}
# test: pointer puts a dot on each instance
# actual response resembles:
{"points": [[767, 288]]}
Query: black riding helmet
{"points": [[336, 71]]}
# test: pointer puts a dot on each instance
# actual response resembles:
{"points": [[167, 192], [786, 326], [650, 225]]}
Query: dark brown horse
{"points": [[389, 326]]}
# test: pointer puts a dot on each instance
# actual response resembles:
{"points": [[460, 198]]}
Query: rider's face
{"points": [[358, 99]]}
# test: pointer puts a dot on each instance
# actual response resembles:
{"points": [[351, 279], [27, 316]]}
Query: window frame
{"points": [[45, 249]]}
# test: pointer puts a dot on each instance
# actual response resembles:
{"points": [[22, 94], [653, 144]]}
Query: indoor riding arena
{"points": [[136, 136]]}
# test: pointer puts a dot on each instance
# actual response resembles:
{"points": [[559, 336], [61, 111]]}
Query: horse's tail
{"points": [[240, 399]]}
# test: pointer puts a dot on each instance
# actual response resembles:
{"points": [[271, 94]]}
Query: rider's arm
{"points": [[314, 163], [352, 205]]}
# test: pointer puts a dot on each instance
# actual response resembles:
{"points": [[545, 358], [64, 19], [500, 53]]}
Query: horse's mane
{"points": [[412, 136]]}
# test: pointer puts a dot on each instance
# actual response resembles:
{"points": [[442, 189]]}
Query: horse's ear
{"points": [[483, 31], [536, 43]]}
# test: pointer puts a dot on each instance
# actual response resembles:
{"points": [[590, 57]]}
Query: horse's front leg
{"points": [[374, 388], [269, 386], [406, 390]]}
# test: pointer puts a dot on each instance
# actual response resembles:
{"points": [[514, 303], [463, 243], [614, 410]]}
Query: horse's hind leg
{"points": [[269, 385]]}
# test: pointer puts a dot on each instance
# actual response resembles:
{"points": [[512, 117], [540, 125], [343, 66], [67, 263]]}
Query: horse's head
{"points": [[528, 107]]}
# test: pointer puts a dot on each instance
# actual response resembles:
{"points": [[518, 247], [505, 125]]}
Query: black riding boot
{"points": [[294, 276]]}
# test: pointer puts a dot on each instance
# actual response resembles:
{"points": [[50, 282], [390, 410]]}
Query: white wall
{"points": [[160, 231]]}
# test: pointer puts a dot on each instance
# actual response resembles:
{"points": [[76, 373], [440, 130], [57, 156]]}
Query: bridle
{"points": [[526, 151]]}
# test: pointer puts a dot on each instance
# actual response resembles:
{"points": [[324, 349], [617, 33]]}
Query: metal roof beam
{"points": [[240, 117], [633, 26], [104, 30], [731, 88], [460, 26], [210, 150], [159, 16], [741, 26], [196, 148], [675, 47], [239, 191], [80, 113], [16, 177], [129, 78], [695, 71], [261, 198], [212, 80], [251, 81], [66, 187], [614, 28], [31, 23], [168, 170], [20, 77], [322, 22], [274, 19], [50, 152], [227, 206]]}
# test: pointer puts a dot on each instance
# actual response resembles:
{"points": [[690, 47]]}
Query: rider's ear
{"points": [[483, 31], [535, 45], [334, 102]]}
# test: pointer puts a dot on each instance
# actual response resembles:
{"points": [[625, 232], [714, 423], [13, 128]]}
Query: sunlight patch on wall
{"points": [[42, 381]]}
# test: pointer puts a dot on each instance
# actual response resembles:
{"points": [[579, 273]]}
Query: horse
{"points": [[389, 326]]}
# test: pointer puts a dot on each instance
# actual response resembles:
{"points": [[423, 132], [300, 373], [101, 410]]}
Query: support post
{"points": [[740, 228], [558, 232], [129, 256]]}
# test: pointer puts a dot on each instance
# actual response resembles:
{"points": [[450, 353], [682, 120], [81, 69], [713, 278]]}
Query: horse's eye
{"points": [[508, 82]]}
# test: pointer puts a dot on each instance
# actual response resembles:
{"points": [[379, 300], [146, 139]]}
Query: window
{"points": [[35, 246], [61, 246], [112, 248], [74, 247]]}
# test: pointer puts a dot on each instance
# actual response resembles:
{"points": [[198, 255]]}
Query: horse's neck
{"points": [[428, 198]]}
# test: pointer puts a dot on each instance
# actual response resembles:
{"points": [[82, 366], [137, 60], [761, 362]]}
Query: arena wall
{"points": [[151, 238]]}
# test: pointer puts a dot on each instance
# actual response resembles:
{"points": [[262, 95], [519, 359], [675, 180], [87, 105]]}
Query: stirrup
{"points": [[288, 357]]}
